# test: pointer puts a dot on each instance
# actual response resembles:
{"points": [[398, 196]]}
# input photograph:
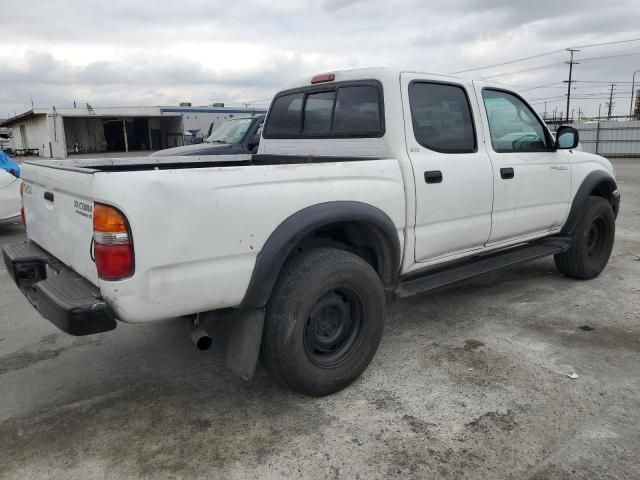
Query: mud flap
{"points": [[243, 346]]}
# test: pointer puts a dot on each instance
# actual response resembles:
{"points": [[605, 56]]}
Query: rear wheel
{"points": [[324, 321], [592, 241]]}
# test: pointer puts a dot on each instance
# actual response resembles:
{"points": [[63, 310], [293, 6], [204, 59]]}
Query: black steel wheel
{"points": [[592, 241], [324, 321], [596, 237], [333, 327]]}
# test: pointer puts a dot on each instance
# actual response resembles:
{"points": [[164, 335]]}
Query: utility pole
{"points": [[610, 102], [545, 111], [571, 63], [633, 86], [579, 113]]}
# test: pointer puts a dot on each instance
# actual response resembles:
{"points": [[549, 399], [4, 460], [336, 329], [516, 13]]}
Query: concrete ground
{"points": [[470, 382]]}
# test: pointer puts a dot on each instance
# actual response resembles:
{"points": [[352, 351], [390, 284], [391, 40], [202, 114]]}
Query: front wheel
{"points": [[592, 241], [324, 321]]}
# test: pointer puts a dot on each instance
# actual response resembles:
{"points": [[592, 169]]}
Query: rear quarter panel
{"points": [[197, 232]]}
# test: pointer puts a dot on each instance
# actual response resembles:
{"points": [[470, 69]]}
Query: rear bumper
{"points": [[61, 296]]}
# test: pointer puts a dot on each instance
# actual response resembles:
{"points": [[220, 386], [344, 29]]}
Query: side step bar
{"points": [[445, 276]]}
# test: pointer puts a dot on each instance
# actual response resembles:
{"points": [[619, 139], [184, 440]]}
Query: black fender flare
{"points": [[290, 232], [588, 185]]}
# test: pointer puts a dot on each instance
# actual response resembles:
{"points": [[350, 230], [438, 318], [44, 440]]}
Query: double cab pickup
{"points": [[368, 185]]}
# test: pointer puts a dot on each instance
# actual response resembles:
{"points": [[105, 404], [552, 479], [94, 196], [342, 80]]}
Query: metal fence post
{"points": [[598, 129]]}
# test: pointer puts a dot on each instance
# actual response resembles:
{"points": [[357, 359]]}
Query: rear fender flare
{"points": [[284, 239]]}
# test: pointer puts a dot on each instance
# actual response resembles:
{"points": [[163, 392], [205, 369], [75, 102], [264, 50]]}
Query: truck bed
{"points": [[197, 223], [135, 164]]}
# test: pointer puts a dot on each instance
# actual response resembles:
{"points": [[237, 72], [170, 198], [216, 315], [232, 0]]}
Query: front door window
{"points": [[512, 124]]}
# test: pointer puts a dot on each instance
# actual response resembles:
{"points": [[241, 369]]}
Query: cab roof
{"points": [[370, 73], [386, 75]]}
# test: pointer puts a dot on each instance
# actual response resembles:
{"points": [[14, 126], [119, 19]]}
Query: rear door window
{"points": [[346, 110], [441, 117]]}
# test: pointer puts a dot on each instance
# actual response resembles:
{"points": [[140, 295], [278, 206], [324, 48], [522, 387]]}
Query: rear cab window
{"points": [[286, 112], [337, 110]]}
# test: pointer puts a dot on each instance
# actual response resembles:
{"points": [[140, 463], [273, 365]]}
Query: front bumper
{"points": [[61, 296]]}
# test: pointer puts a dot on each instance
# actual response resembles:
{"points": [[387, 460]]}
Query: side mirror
{"points": [[254, 141], [567, 138]]}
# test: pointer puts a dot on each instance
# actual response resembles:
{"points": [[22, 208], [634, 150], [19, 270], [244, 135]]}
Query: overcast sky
{"points": [[115, 52]]}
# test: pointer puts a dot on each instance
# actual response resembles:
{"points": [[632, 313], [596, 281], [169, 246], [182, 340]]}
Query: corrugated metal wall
{"points": [[610, 138]]}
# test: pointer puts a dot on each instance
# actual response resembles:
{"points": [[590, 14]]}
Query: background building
{"points": [[59, 132], [5, 136]]}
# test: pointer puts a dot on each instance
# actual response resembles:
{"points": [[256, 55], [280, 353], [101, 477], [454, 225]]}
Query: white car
{"points": [[9, 195], [368, 185]]}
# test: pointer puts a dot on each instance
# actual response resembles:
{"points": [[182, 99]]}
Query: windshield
{"points": [[231, 131]]}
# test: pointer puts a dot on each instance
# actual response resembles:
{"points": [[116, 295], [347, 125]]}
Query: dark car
{"points": [[235, 136]]}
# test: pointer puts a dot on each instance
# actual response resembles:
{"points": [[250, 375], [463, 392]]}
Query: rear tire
{"points": [[592, 241], [324, 321]]}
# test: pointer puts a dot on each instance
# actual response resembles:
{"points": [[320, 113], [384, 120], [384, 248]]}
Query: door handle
{"points": [[48, 196], [433, 176], [507, 173]]}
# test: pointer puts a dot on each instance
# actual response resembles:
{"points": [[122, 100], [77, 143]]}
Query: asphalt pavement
{"points": [[469, 382]]}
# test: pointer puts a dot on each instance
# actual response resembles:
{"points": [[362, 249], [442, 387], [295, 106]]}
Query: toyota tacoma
{"points": [[369, 185]]}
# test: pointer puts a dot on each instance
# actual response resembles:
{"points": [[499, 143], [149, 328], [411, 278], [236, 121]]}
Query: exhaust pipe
{"points": [[201, 338], [199, 335]]}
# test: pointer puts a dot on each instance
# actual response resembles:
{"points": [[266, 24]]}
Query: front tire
{"points": [[324, 321], [592, 241]]}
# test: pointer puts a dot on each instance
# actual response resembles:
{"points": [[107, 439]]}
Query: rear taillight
{"points": [[24, 219], [112, 243]]}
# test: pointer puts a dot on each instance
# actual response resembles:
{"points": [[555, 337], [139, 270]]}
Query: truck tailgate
{"points": [[59, 214]]}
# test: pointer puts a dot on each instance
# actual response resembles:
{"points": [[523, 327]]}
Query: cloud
{"points": [[138, 53]]}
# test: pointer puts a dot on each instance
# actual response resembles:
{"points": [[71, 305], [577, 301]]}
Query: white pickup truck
{"points": [[369, 185]]}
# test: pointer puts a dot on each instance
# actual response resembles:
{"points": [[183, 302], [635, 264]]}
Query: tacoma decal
{"points": [[84, 209]]}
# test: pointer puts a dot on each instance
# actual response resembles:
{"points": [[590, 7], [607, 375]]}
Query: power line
{"points": [[600, 95], [539, 67], [610, 56], [548, 85], [551, 85], [609, 82], [607, 43], [523, 59], [507, 74], [544, 54], [547, 98]]}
